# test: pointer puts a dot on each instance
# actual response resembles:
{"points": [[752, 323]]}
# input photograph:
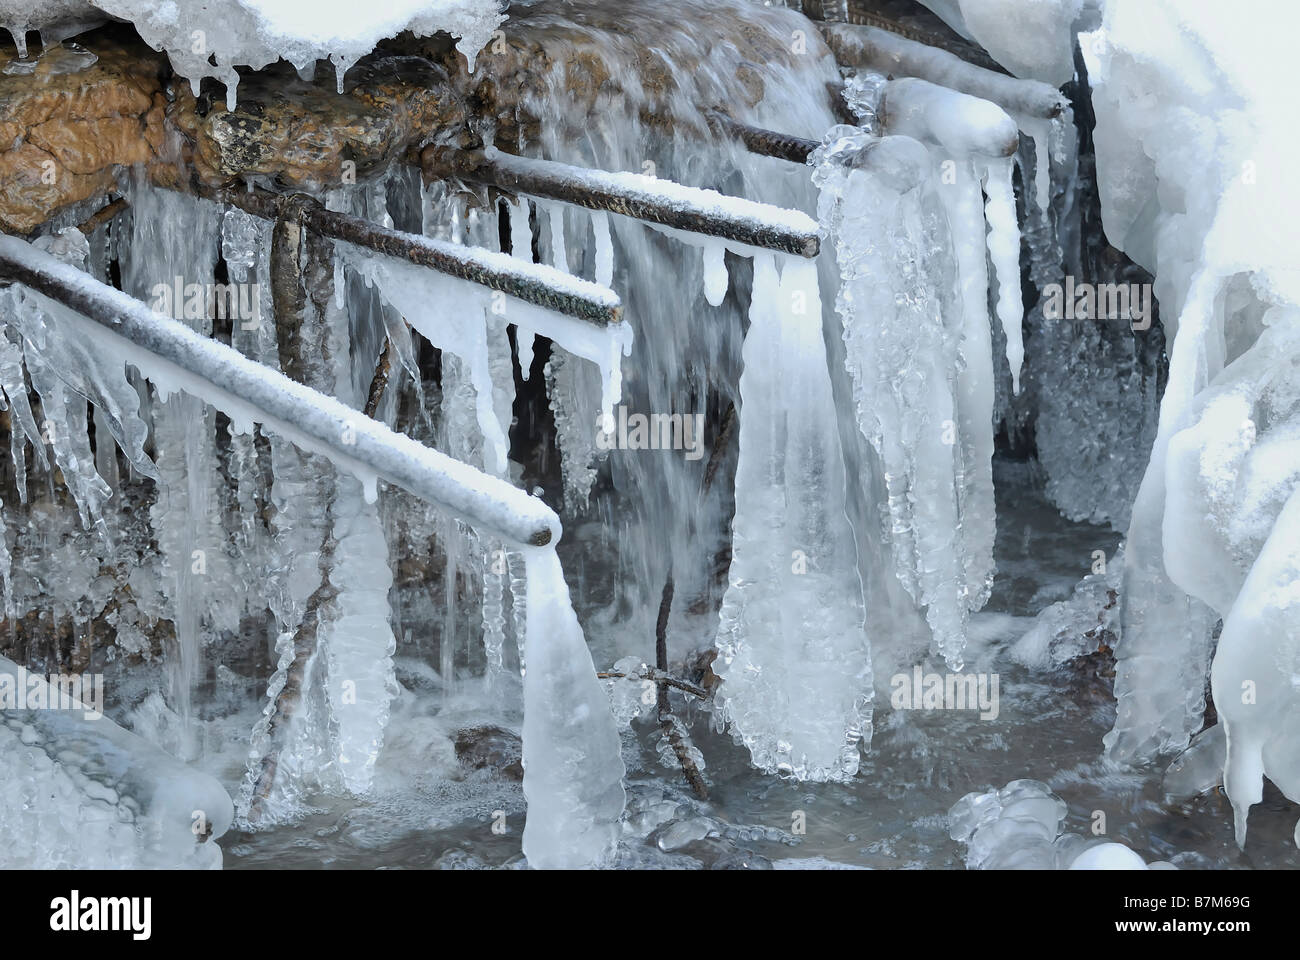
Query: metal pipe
{"points": [[533, 283], [632, 195], [769, 143], [247, 390]]}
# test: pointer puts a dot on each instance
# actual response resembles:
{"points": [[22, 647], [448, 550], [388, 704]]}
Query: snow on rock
{"points": [[254, 33]]}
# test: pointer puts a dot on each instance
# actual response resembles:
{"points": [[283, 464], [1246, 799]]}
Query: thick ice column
{"points": [[573, 765], [926, 413], [793, 655]]}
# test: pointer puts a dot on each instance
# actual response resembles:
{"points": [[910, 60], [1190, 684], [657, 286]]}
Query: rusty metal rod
{"points": [[245, 388], [533, 283], [632, 195], [768, 143]]}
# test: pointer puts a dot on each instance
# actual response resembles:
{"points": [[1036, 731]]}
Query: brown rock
{"points": [[66, 129]]}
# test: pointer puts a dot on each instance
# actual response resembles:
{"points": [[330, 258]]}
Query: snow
{"points": [[637, 188], [1188, 97], [961, 124], [793, 654], [1191, 142]]}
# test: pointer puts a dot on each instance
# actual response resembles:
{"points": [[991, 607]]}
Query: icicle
{"points": [[494, 617], [604, 248], [573, 765], [1004, 251], [6, 581], [418, 294], [358, 640], [792, 650], [715, 272], [555, 219], [575, 392], [975, 381], [517, 567], [521, 247], [927, 416]]}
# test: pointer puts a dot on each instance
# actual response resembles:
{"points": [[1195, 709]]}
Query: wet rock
{"points": [[564, 52], [308, 136], [65, 133], [491, 748]]}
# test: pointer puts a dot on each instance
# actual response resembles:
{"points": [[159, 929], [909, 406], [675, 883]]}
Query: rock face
{"points": [[309, 137], [66, 125], [74, 119], [568, 60]]}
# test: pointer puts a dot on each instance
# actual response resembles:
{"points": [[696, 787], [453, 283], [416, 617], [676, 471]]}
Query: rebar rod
{"points": [[533, 283], [245, 389], [768, 143], [868, 46], [632, 195]]}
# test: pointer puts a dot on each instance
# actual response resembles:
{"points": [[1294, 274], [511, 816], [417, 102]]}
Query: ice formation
{"points": [[1209, 207], [864, 489], [1019, 828], [914, 306], [793, 653], [54, 19], [79, 791]]}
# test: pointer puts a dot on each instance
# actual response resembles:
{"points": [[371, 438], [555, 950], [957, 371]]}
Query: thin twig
{"points": [[655, 676]]}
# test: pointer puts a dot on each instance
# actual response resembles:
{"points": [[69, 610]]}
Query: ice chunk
{"points": [[81, 792]]}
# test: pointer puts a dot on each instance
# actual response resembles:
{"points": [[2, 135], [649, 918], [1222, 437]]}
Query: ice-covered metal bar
{"points": [[769, 143], [171, 354], [961, 124], [888, 53], [533, 283], [632, 195], [956, 45]]}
